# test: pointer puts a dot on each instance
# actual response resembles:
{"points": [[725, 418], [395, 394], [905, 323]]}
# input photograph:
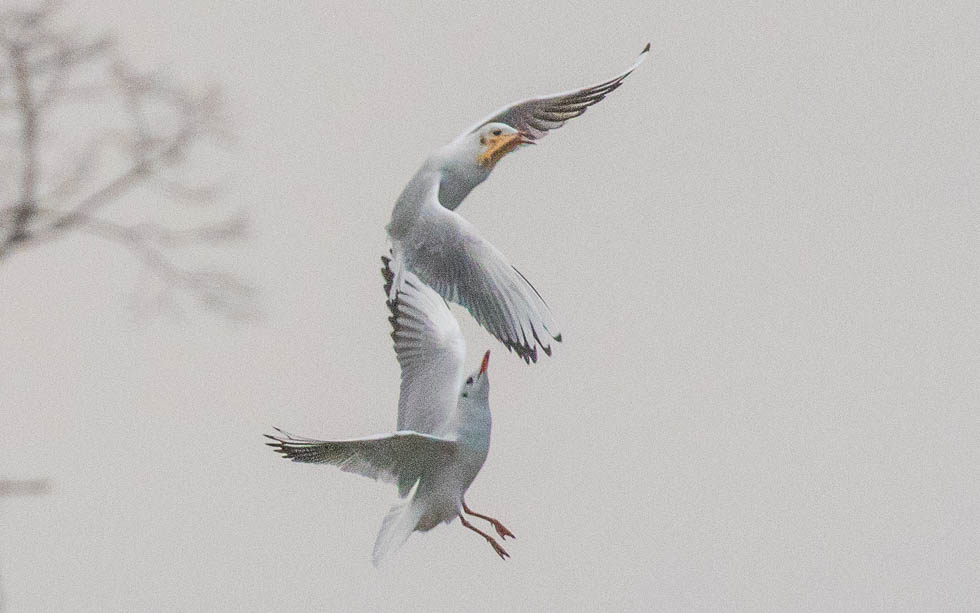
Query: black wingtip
{"points": [[524, 351], [393, 304], [278, 441], [277, 445], [387, 274], [645, 49]]}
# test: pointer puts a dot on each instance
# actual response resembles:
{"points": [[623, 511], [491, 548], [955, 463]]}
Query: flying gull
{"points": [[447, 253]]}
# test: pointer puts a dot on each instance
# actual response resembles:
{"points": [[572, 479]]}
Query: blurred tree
{"points": [[86, 140], [88, 145], [12, 487]]}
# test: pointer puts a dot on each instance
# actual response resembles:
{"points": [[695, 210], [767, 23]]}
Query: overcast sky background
{"points": [[762, 250]]}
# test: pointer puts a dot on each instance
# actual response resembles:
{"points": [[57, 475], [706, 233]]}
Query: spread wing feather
{"points": [[536, 116], [393, 458], [448, 255], [431, 350]]}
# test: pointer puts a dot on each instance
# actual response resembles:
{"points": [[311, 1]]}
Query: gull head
{"points": [[495, 140], [467, 161], [476, 387]]}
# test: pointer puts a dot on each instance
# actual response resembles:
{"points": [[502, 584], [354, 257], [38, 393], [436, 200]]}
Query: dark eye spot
{"points": [[483, 141], [466, 394], [496, 131], [469, 381]]}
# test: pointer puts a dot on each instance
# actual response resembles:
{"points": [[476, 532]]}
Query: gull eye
{"points": [[496, 131], [483, 140], [466, 394], [469, 381]]}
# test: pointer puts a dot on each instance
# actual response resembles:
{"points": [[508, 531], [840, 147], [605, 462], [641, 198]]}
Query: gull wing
{"points": [[431, 350], [393, 458], [449, 255], [536, 116]]}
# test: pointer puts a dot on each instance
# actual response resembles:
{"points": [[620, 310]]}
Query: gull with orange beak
{"points": [[445, 251], [498, 144], [443, 432]]}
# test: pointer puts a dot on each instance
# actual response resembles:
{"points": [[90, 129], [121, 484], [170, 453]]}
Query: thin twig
{"points": [[28, 130], [28, 487]]}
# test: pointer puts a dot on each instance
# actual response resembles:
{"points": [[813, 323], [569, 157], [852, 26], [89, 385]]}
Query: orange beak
{"points": [[486, 362], [498, 147]]}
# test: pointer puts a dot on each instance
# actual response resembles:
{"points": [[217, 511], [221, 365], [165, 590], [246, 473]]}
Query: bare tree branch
{"points": [[214, 289], [30, 487], [150, 126], [24, 208], [68, 57]]}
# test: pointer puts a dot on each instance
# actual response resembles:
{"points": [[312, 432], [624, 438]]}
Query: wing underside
{"points": [[401, 457]]}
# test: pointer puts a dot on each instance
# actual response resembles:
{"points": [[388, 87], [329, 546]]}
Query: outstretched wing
{"points": [[464, 268], [430, 350], [535, 116], [393, 458]]}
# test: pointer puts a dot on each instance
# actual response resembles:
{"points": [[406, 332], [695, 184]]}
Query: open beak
{"points": [[499, 146], [486, 362]]}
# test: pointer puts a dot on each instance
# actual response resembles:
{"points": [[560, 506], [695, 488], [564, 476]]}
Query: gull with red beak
{"points": [[445, 251], [443, 432]]}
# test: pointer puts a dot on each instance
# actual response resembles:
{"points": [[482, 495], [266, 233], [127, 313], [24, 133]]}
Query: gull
{"points": [[447, 253], [443, 426]]}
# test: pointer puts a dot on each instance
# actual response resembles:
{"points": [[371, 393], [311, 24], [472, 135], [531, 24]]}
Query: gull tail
{"points": [[397, 526]]}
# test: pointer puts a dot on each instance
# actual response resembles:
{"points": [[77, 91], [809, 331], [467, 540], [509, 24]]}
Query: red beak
{"points": [[486, 362]]}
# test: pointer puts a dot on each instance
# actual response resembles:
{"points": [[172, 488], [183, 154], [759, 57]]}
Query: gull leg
{"points": [[496, 546], [499, 527]]}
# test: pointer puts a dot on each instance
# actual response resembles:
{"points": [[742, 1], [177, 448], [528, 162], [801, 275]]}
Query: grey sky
{"points": [[762, 251]]}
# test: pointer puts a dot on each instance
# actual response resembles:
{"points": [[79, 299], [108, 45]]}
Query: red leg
{"points": [[501, 529], [496, 546]]}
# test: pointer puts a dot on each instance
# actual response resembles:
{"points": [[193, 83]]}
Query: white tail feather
{"points": [[397, 526]]}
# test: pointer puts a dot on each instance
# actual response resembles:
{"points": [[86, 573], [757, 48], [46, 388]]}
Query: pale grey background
{"points": [[763, 250]]}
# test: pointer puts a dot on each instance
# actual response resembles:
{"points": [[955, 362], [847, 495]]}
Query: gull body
{"points": [[443, 432], [447, 253]]}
